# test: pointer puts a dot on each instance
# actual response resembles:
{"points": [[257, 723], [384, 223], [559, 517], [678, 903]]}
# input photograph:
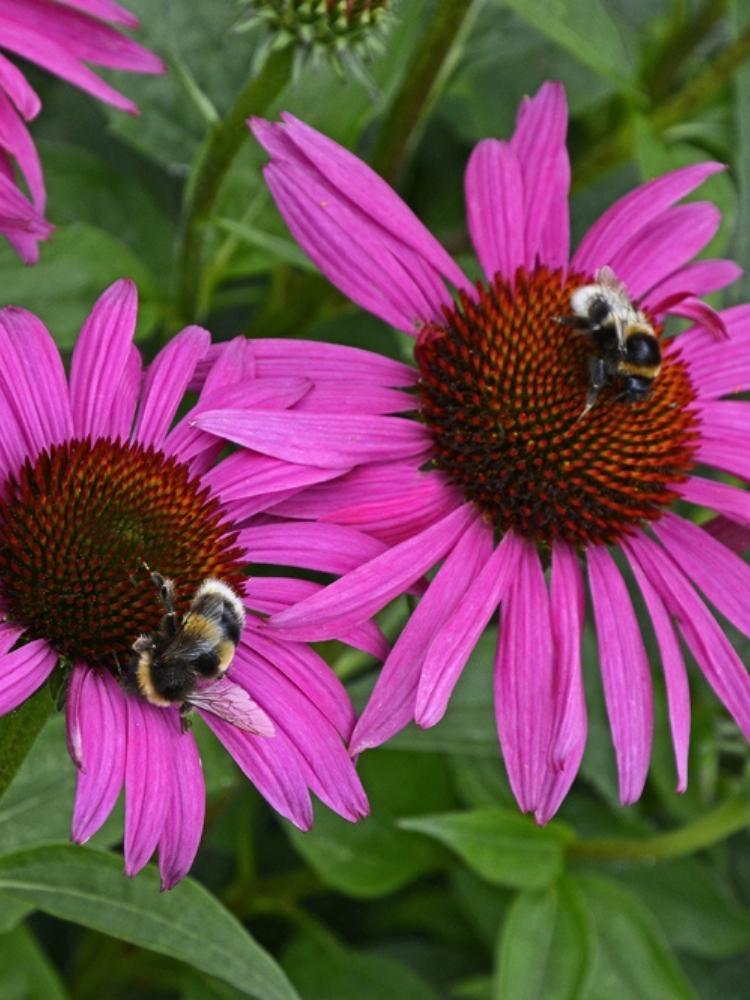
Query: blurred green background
{"points": [[446, 891]]}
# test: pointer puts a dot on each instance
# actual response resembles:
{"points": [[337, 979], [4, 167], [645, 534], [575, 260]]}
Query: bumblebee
{"points": [[176, 664], [627, 349]]}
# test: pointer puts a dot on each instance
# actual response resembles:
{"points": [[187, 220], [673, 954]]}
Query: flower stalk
{"points": [[422, 81], [220, 149], [719, 824]]}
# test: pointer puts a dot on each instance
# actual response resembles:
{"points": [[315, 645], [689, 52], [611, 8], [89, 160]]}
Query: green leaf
{"points": [[322, 969], [73, 270], [585, 29], [18, 730], [25, 970], [88, 888], [633, 959], [546, 946], [12, 913], [375, 857], [695, 908], [502, 846]]}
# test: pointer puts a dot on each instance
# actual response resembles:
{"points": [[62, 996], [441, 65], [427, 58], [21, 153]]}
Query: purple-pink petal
{"points": [[455, 638], [635, 211], [322, 755], [97, 721], [322, 362], [18, 89], [524, 675], [32, 379], [334, 441], [713, 652], [699, 278], [566, 608], [273, 766], [669, 241], [673, 665], [183, 823], [391, 281], [722, 576], [353, 180], [23, 670], [245, 474], [494, 206], [101, 357], [358, 595], [329, 548], [270, 594], [729, 500], [304, 668], [166, 381], [539, 144], [16, 141], [393, 699], [625, 672], [149, 773]]}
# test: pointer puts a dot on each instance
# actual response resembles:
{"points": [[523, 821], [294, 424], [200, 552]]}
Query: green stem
{"points": [[222, 145], [422, 81], [728, 818], [18, 730], [680, 45], [618, 147]]}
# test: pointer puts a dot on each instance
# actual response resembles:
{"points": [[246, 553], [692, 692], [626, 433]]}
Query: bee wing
{"points": [[616, 290], [232, 703]]}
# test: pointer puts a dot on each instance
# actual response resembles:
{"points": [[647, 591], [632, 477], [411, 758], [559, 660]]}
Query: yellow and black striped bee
{"points": [[168, 666], [627, 349]]}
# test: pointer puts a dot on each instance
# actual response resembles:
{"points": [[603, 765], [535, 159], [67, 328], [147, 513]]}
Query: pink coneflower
{"points": [[96, 480], [61, 36], [500, 481]]}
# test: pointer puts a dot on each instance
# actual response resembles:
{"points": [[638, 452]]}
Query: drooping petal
{"points": [[700, 278], [625, 673], [183, 823], [24, 670], [56, 59], [15, 140], [569, 704], [454, 640], [729, 533], [722, 576], [713, 652], [327, 767], [392, 702], [358, 595], [673, 665], [729, 500], [149, 776], [272, 765], [335, 441], [524, 676], [494, 205], [18, 89], [101, 356], [635, 211], [166, 382], [20, 222], [32, 379], [310, 673], [101, 720]]}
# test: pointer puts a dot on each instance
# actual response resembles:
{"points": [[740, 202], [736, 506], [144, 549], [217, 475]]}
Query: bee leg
{"points": [[576, 322], [599, 379], [166, 593], [186, 723]]}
